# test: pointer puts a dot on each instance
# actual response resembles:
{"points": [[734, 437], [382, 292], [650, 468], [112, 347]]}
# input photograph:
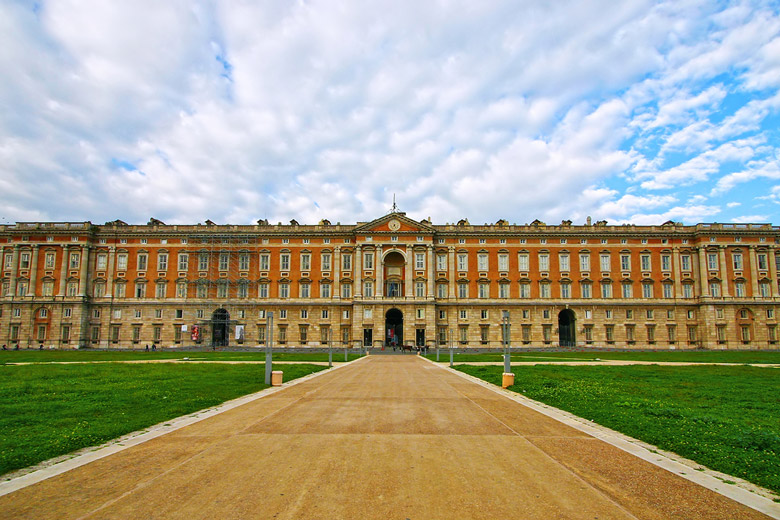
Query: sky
{"points": [[631, 112]]}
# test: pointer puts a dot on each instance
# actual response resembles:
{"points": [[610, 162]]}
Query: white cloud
{"points": [[236, 111]]}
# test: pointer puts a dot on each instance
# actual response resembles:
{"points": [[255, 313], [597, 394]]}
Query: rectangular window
{"points": [[304, 290], [739, 289], [482, 262], [102, 262], [666, 263], [484, 290], [262, 290], [243, 262], [346, 262], [304, 314], [203, 262], [737, 261], [762, 262], [715, 289], [606, 290], [671, 331], [50, 258], [142, 262], [463, 290], [610, 333], [368, 261], [685, 260], [763, 288], [346, 290], [745, 332], [503, 262], [326, 262], [503, 290], [184, 261], [651, 333], [668, 290], [463, 262], [441, 290], [628, 290], [544, 290], [464, 334], [222, 290], [525, 290], [687, 290], [712, 261], [284, 290], [522, 262], [604, 262], [305, 262], [160, 290], [544, 262], [563, 262], [265, 262], [565, 290], [74, 260], [586, 289], [625, 262], [644, 261], [284, 261], [162, 262], [224, 261], [368, 289], [584, 262], [419, 261], [325, 290], [721, 333], [419, 289], [441, 262]]}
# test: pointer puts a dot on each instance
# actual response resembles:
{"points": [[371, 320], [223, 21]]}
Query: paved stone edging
{"points": [[638, 448], [138, 437]]}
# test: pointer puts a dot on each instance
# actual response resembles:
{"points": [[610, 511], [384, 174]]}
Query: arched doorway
{"points": [[566, 329], [219, 328], [394, 327], [394, 263]]}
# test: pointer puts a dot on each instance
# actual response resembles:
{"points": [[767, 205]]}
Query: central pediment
{"points": [[396, 222]]}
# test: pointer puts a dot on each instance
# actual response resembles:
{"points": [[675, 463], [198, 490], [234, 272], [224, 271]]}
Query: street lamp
{"points": [[508, 378], [268, 346], [452, 348]]}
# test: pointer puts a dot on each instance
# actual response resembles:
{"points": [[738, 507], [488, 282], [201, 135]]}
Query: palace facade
{"points": [[392, 280]]}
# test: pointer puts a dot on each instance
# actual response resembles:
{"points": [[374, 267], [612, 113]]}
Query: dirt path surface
{"points": [[391, 437]]}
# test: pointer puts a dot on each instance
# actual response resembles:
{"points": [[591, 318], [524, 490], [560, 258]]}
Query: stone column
{"points": [[83, 270], [63, 270], [701, 251], [110, 272], [676, 273], [724, 277], [357, 265], [379, 265], [451, 270], [773, 271], [33, 271], [337, 273], [431, 273], [753, 270], [408, 274], [14, 268]]}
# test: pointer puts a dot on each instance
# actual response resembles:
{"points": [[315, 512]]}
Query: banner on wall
{"points": [[195, 332], [240, 332], [184, 328]]}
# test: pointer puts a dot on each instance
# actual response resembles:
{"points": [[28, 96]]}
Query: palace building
{"points": [[391, 280]]}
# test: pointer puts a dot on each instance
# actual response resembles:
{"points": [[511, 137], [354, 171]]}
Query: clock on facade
{"points": [[394, 225]]}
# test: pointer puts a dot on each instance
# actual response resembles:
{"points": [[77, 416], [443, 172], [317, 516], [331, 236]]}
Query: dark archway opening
{"points": [[566, 329], [394, 328], [220, 320]]}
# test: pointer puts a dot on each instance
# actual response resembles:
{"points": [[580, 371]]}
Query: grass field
{"points": [[680, 356], [53, 356], [50, 410], [726, 418]]}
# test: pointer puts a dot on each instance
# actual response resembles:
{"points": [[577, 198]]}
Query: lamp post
{"points": [[508, 378], [330, 348], [268, 355], [452, 348]]}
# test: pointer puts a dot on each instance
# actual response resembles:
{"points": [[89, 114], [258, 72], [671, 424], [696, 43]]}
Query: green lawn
{"points": [[726, 418], [50, 410], [47, 356], [680, 356]]}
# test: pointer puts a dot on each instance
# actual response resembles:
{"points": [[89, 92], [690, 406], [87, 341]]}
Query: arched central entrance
{"points": [[219, 328], [394, 328], [566, 329]]}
